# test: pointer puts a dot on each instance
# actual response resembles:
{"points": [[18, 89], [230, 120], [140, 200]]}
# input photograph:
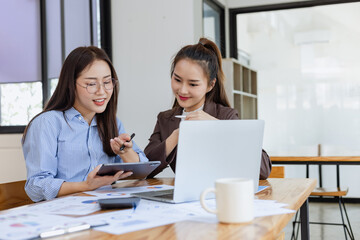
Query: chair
{"points": [[338, 193], [13, 194], [277, 172]]}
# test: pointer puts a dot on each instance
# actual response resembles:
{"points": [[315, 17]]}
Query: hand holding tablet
{"points": [[140, 169]]}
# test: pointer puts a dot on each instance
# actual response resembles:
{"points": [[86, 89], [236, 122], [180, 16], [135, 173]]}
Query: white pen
{"points": [[63, 230], [180, 116], [60, 230]]}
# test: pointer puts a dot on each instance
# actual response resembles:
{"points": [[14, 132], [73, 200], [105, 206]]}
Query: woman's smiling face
{"points": [[88, 104], [189, 84]]}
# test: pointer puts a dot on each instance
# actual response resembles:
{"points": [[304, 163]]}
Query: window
{"points": [[308, 77], [20, 62], [214, 23], [36, 38]]}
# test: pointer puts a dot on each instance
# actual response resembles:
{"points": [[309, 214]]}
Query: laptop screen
{"points": [[208, 150]]}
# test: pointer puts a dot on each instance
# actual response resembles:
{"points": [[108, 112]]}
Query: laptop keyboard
{"points": [[168, 194]]}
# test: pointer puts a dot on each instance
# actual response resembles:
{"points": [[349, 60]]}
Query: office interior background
{"points": [[306, 59]]}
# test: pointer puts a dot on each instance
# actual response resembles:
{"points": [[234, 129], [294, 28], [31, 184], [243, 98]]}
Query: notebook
{"points": [[208, 150]]}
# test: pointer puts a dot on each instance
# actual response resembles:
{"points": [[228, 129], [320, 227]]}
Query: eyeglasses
{"points": [[94, 87]]}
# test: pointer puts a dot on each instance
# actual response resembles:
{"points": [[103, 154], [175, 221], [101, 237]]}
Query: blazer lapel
{"points": [[211, 108]]}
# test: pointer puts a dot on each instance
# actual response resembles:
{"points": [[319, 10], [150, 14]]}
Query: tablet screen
{"points": [[140, 169]]}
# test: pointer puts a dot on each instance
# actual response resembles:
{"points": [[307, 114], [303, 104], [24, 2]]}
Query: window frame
{"points": [[106, 44], [271, 7], [219, 8]]}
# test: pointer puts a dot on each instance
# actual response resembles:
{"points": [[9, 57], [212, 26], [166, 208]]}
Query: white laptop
{"points": [[209, 150]]}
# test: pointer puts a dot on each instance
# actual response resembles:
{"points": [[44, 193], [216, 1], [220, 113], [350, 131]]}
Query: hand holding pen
{"points": [[121, 143], [197, 115]]}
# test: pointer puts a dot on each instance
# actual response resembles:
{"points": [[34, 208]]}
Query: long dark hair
{"points": [[208, 56], [64, 95]]}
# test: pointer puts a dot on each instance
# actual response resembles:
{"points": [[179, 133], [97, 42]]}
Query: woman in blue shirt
{"points": [[65, 145]]}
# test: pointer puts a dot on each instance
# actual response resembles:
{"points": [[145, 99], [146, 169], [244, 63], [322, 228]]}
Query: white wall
{"points": [[11, 158], [146, 36]]}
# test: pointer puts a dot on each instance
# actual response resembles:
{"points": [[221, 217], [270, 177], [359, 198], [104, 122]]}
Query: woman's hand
{"points": [[171, 142], [117, 142], [199, 115], [94, 181], [127, 154]]}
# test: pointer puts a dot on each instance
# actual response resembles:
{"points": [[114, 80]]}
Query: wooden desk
{"points": [[294, 192], [345, 160]]}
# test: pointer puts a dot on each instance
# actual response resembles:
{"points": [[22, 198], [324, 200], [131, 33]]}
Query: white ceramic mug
{"points": [[234, 200]]}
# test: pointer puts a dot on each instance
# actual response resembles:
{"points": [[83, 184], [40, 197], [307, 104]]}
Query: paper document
{"points": [[148, 214], [66, 206], [23, 225], [151, 214]]}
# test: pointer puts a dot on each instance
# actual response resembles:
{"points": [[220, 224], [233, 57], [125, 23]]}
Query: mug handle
{"points": [[202, 199]]}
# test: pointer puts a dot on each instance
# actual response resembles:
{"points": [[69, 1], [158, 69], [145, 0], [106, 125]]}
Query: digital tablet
{"points": [[140, 169]]}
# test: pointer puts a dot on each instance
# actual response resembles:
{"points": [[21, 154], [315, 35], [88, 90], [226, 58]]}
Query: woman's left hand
{"points": [[117, 142], [200, 115], [94, 181]]}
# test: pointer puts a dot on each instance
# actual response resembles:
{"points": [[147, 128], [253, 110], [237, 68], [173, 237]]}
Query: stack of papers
{"points": [[29, 222]]}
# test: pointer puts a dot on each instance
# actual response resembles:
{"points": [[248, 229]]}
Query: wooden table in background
{"points": [[337, 161], [294, 192]]}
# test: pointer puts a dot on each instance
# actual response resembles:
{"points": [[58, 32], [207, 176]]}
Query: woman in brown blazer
{"points": [[197, 81]]}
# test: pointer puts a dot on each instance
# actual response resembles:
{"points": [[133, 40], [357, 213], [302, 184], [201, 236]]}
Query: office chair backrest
{"points": [[13, 194], [277, 172]]}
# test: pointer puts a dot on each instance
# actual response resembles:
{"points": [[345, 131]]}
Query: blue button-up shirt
{"points": [[56, 150]]}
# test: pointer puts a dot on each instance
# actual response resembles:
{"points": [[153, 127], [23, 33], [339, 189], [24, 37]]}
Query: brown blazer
{"points": [[167, 123]]}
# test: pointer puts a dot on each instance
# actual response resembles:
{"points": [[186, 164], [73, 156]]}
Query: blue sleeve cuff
{"points": [[43, 189]]}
